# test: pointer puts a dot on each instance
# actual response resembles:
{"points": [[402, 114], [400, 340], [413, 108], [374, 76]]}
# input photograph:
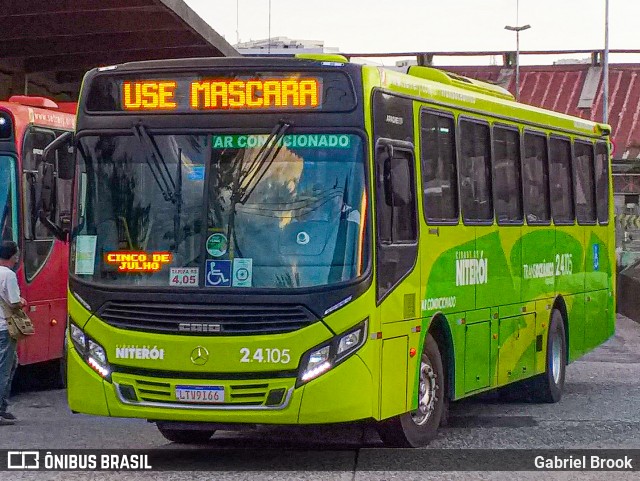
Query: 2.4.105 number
{"points": [[273, 356]]}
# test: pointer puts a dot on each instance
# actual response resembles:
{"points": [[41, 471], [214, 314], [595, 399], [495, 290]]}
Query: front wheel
{"points": [[185, 436], [418, 428], [548, 386]]}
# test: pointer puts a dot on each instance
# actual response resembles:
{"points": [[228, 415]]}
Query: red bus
{"points": [[34, 193]]}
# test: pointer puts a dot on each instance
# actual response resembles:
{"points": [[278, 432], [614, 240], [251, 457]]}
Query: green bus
{"points": [[307, 241]]}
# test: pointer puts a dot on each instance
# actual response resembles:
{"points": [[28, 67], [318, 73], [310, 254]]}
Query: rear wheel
{"points": [[185, 436], [548, 386], [417, 428]]}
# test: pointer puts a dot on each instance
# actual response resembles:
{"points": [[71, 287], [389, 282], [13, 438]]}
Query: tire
{"points": [[416, 429], [548, 387], [185, 436], [62, 371]]}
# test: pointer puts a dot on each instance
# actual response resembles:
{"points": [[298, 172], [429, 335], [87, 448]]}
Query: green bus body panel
{"points": [[477, 356], [86, 390], [492, 287], [529, 266], [393, 399]]}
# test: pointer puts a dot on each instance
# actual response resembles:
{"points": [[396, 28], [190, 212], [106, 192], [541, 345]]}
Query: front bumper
{"points": [[345, 393]]}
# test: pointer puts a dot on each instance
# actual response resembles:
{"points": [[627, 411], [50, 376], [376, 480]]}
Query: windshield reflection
{"points": [[302, 221], [137, 204], [293, 216]]}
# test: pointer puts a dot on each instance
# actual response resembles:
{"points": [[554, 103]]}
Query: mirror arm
{"points": [[56, 143], [53, 228]]}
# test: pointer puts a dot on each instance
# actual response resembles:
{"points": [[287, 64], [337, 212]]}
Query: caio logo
{"points": [[23, 460]]}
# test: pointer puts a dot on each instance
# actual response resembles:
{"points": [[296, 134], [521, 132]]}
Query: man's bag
{"points": [[19, 325]]}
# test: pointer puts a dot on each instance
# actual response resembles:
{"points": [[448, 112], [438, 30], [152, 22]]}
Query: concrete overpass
{"points": [[46, 46]]}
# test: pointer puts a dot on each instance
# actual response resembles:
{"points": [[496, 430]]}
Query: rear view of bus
{"points": [[221, 258]]}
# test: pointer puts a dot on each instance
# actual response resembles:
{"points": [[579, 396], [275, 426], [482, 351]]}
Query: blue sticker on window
{"points": [[596, 257], [196, 173], [218, 273]]}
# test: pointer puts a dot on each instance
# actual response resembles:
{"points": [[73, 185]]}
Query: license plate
{"points": [[200, 394]]}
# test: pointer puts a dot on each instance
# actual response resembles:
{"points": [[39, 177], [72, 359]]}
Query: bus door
{"points": [[44, 258], [397, 256]]}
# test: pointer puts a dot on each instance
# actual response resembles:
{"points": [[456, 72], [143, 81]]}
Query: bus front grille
{"points": [[268, 394], [206, 319], [238, 395]]}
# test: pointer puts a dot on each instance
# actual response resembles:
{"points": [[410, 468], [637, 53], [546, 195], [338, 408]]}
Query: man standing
{"points": [[9, 299]]}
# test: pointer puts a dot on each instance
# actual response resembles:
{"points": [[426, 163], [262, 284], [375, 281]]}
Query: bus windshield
{"points": [[220, 210]]}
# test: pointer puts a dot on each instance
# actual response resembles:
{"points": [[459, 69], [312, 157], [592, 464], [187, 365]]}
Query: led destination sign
{"points": [[223, 94], [329, 91]]}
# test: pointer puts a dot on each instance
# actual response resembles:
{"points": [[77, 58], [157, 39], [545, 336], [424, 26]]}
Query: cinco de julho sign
{"points": [[127, 261]]}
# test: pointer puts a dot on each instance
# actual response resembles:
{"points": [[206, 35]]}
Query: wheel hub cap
{"points": [[426, 395]]}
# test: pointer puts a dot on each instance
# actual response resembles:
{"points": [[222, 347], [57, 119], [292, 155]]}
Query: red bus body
{"points": [[43, 277]]}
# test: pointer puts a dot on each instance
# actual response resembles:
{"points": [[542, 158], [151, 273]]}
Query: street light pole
{"points": [[518, 30], [269, 44]]}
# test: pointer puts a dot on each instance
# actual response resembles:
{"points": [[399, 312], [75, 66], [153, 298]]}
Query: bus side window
{"points": [[507, 183], [584, 185], [397, 212], [396, 216], [561, 185], [602, 182], [535, 171], [38, 239], [475, 172], [439, 173]]}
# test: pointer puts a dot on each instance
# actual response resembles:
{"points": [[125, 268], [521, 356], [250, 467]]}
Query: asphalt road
{"points": [[600, 409]]}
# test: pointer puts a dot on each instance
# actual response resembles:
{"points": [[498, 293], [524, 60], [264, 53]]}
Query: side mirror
{"points": [[48, 186], [397, 181], [401, 181]]}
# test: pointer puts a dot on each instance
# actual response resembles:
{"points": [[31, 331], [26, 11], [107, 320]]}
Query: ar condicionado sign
{"points": [[302, 93]]}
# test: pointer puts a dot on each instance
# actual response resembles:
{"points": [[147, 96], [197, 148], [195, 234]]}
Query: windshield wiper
{"points": [[248, 179], [156, 163], [261, 163], [178, 200]]}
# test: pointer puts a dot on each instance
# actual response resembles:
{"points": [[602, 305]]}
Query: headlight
{"points": [[77, 337], [92, 352], [349, 341], [322, 358], [317, 364]]}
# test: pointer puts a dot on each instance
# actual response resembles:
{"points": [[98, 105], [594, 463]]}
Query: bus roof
{"points": [[477, 97], [24, 111], [427, 83]]}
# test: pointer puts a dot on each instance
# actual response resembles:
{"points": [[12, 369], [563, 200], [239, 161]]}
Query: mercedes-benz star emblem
{"points": [[199, 356]]}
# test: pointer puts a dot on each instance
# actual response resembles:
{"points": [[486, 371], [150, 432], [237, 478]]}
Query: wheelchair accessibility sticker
{"points": [[218, 273]]}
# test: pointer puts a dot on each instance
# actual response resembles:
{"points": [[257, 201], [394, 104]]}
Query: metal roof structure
{"points": [[576, 89], [571, 87], [46, 46]]}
